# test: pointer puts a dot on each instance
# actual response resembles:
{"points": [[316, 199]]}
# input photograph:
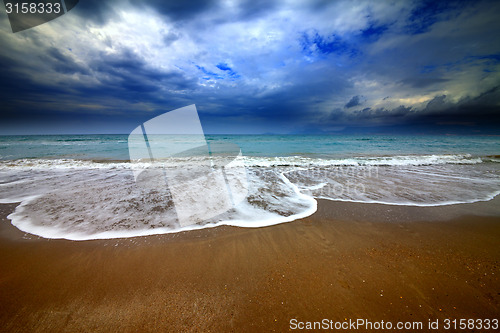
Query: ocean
{"points": [[82, 187]]}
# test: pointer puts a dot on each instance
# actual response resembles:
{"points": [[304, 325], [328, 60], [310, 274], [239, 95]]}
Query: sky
{"points": [[257, 67]]}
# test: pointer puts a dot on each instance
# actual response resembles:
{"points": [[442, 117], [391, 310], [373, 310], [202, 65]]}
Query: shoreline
{"points": [[346, 261], [346, 211]]}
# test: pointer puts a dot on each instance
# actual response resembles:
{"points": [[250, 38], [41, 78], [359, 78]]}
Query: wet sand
{"points": [[347, 261]]}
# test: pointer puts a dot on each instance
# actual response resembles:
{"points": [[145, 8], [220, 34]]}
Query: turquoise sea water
{"points": [[85, 186], [115, 147]]}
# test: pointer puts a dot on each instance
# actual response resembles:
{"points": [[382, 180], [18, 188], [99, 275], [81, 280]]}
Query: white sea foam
{"points": [[424, 185], [82, 200], [414, 160], [91, 203], [255, 161]]}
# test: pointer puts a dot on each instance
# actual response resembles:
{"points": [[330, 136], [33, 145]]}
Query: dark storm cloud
{"points": [[129, 74], [101, 12], [260, 66], [123, 76], [98, 11], [468, 116], [478, 114], [61, 63], [427, 13], [355, 101], [368, 116], [438, 103], [179, 10]]}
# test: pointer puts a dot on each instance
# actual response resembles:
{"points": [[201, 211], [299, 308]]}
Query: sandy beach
{"points": [[250, 166], [347, 261]]}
